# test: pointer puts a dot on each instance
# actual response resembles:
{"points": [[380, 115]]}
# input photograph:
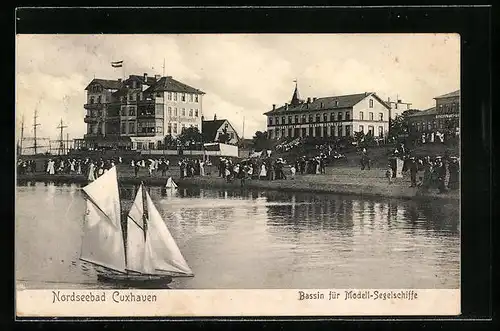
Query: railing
{"points": [[146, 134], [93, 106]]}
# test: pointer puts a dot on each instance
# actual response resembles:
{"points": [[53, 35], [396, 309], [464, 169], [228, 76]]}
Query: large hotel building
{"points": [[335, 116], [137, 113]]}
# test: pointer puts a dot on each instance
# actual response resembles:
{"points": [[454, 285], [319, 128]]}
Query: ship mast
{"points": [[35, 124], [22, 137], [61, 139]]}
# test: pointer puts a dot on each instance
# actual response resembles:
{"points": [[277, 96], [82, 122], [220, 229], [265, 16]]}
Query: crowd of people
{"points": [[442, 173]]}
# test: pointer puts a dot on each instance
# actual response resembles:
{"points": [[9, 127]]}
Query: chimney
{"points": [[215, 117], [286, 106], [274, 106], [157, 77], [309, 100], [145, 77], [314, 99]]}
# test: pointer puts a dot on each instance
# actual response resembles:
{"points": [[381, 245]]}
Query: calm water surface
{"points": [[253, 239]]}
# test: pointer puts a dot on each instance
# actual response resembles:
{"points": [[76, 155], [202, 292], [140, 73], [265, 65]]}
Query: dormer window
{"points": [[336, 103]]}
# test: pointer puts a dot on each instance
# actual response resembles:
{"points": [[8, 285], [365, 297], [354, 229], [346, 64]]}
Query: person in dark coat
{"points": [[454, 174], [413, 167]]}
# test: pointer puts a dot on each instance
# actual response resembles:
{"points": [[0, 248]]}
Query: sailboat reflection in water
{"points": [[145, 255]]}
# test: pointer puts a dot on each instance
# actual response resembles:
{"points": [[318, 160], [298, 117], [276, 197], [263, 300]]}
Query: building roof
{"points": [[427, 112], [106, 83], [449, 95], [149, 81], [340, 101], [209, 129], [171, 85]]}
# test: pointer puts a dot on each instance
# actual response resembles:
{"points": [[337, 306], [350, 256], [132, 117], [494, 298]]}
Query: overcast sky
{"points": [[242, 75]]}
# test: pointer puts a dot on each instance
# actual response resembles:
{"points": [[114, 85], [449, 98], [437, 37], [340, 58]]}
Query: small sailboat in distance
{"points": [[170, 183], [145, 255]]}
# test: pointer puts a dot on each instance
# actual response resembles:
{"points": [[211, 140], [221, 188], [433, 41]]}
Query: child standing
{"points": [[293, 171]]}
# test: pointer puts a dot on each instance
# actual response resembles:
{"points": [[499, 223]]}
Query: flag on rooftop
{"points": [[117, 64]]}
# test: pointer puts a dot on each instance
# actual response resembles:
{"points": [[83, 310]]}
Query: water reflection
{"points": [[257, 239]]}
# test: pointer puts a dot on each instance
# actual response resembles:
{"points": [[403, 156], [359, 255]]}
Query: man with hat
{"points": [[412, 165]]}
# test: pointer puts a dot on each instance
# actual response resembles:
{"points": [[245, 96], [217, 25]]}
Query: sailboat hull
{"points": [[135, 281]]}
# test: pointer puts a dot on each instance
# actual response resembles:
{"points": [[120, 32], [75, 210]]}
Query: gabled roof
{"points": [[449, 95], [106, 83], [171, 85], [340, 101], [209, 129], [430, 111], [149, 81]]}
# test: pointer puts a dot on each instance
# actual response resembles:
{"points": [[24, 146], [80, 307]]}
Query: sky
{"points": [[242, 75]]}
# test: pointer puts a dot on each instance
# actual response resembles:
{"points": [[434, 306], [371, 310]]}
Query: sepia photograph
{"points": [[327, 165]]}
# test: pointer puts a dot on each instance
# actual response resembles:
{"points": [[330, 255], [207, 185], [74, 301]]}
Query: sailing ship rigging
{"points": [[145, 254]]}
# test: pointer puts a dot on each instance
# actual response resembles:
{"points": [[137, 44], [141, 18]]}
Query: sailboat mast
{"points": [[144, 211]]}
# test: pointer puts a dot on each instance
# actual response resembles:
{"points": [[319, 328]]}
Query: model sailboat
{"points": [[146, 255]]}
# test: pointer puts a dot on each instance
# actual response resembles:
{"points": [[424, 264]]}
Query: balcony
{"points": [[90, 119], [93, 106], [146, 134], [93, 135]]}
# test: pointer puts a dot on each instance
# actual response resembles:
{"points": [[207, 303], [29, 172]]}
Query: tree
{"points": [[170, 142], [191, 136], [399, 126], [224, 137], [261, 141]]}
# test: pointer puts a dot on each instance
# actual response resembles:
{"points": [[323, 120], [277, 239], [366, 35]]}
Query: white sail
{"points": [[103, 238], [162, 254], [135, 234], [102, 241], [170, 183]]}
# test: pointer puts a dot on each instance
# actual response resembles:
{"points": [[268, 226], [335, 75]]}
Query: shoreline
{"points": [[312, 184]]}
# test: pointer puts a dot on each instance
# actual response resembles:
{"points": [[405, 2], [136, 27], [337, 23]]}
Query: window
{"points": [[99, 99], [310, 118], [133, 84], [370, 116], [283, 120], [339, 131], [270, 121], [289, 119], [159, 95], [196, 113], [347, 130], [170, 111], [190, 112], [175, 111], [339, 116], [361, 115], [175, 96], [196, 98], [347, 116], [183, 112], [152, 145], [332, 131], [303, 119], [183, 97], [139, 145], [325, 117], [190, 98], [380, 131], [336, 103], [296, 118], [371, 103], [381, 116], [370, 129], [332, 117], [169, 128], [277, 133], [131, 127], [91, 100], [131, 111], [132, 97], [169, 95], [277, 120], [175, 128], [124, 111], [183, 127], [318, 118], [361, 129], [138, 96], [124, 127]]}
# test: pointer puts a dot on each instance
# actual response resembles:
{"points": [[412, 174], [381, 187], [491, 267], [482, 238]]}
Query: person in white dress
{"points": [[72, 166], [263, 171], [202, 168], [91, 176], [79, 167], [50, 167], [292, 171]]}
